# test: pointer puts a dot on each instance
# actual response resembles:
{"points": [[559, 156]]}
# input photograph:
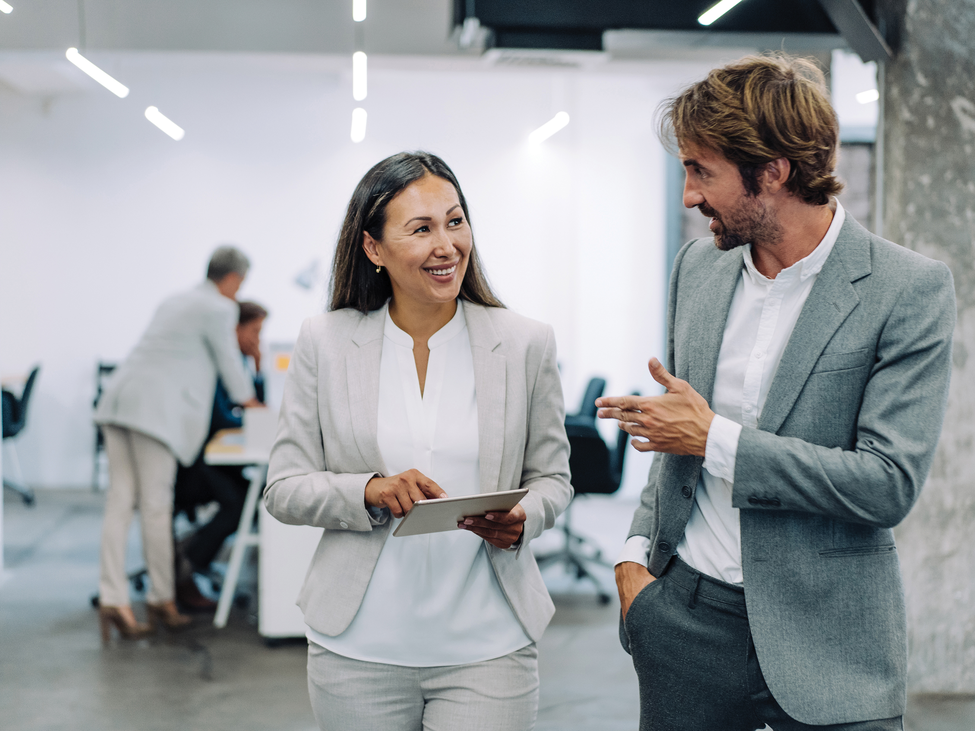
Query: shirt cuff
{"points": [[722, 448], [636, 549]]}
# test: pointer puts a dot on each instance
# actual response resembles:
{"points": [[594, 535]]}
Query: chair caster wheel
{"points": [[139, 585]]}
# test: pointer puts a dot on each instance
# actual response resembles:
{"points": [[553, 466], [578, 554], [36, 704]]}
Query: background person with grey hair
{"points": [[155, 412]]}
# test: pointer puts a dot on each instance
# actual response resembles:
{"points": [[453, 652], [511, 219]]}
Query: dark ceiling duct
{"points": [[580, 24]]}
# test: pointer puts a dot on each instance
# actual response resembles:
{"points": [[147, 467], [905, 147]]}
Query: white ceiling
{"points": [[269, 26]]}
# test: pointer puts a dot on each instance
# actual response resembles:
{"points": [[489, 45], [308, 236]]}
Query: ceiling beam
{"points": [[858, 30]]}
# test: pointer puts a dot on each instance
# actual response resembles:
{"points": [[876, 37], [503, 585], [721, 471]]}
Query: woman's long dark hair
{"points": [[355, 282]]}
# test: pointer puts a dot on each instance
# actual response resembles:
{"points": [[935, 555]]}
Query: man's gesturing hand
{"points": [[676, 422], [631, 579], [399, 492]]}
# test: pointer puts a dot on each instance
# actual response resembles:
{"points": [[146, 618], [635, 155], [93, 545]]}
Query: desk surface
{"points": [[229, 448]]}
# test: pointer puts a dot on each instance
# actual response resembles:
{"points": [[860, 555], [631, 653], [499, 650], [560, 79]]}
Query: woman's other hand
{"points": [[399, 492], [501, 530]]}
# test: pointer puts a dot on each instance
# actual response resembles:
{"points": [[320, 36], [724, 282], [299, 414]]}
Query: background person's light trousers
{"points": [[494, 695], [141, 472]]}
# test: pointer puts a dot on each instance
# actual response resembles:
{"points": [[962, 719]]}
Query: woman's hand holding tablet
{"points": [[451, 513]]}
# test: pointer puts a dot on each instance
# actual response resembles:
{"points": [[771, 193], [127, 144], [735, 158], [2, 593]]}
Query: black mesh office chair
{"points": [[596, 470], [14, 420], [587, 408], [102, 372]]}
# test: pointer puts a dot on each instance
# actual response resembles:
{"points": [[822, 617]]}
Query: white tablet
{"points": [[435, 516]]}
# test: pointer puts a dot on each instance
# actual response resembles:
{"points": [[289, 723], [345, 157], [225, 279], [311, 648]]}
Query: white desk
{"points": [[285, 550]]}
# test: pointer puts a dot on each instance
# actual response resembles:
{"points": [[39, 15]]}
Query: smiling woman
{"points": [[418, 382], [354, 281]]}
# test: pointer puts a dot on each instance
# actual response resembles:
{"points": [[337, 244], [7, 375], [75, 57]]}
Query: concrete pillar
{"points": [[929, 206]]}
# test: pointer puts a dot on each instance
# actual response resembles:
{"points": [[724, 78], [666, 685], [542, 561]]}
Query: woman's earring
{"points": [[378, 269]]}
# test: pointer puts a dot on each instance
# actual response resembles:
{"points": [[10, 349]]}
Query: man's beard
{"points": [[750, 222]]}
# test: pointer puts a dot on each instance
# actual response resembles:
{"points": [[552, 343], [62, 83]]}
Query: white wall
{"points": [[102, 215]]}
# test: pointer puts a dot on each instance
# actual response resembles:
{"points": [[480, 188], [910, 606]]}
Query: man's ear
{"points": [[775, 174], [371, 247]]}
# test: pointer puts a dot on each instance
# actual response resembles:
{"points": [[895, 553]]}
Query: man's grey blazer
{"points": [[843, 445], [165, 387], [326, 451]]}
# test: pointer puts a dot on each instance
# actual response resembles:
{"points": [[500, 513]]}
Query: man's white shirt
{"points": [[762, 316]]}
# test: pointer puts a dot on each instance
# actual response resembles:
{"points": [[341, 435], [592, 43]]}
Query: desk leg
{"points": [[245, 537]]}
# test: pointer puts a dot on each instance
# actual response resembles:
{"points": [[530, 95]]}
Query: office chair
{"points": [[102, 372], [595, 471], [587, 408], [14, 420]]}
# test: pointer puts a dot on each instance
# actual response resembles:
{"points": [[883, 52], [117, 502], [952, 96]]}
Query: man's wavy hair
{"points": [[757, 110]]}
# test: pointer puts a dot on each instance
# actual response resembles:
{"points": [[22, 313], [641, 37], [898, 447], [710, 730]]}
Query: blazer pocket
{"points": [[843, 361], [857, 551]]}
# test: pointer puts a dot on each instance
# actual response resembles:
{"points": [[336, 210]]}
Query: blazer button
{"points": [[685, 491], [343, 524], [754, 500], [664, 547], [775, 502]]}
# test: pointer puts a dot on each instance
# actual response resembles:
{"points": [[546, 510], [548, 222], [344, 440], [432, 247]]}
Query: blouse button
{"points": [[343, 524]]}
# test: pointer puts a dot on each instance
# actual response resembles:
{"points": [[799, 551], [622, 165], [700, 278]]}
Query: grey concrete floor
{"points": [[55, 674]]}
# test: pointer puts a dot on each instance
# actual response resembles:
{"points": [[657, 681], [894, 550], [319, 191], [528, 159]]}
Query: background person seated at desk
{"points": [[155, 411], [201, 483]]}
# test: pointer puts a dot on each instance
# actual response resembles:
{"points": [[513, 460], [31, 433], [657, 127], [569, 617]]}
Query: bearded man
{"points": [[760, 583]]}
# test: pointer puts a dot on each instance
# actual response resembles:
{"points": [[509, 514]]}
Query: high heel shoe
{"points": [[168, 616], [125, 622]]}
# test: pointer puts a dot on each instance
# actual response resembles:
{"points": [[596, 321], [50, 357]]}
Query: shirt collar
{"points": [[454, 327], [808, 266]]}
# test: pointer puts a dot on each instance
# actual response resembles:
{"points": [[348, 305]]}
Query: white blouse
{"points": [[433, 599]]}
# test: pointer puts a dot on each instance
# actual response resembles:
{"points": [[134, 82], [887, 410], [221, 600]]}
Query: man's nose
{"points": [[692, 196]]}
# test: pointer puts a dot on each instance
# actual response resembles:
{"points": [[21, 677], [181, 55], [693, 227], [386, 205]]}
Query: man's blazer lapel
{"points": [[490, 386], [830, 302], [362, 366], [706, 319]]}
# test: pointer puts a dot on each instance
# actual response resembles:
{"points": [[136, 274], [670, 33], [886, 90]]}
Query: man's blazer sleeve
{"points": [[221, 338], [877, 482], [644, 519]]}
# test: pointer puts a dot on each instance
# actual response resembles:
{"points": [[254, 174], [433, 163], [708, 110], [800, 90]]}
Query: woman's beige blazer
{"points": [[326, 451]]}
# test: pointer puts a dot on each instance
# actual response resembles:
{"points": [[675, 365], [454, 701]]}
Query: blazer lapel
{"points": [[362, 366], [490, 387], [830, 302], [706, 320]]}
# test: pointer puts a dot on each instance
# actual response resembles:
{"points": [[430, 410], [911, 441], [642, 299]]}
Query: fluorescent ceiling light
{"points": [[358, 124], [359, 90], [119, 90], [716, 11], [164, 123], [866, 97], [358, 10], [6, 8], [549, 128]]}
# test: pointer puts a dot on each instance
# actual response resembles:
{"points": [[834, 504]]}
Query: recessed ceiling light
{"points": [[358, 124], [716, 11], [549, 128], [359, 90], [868, 96], [118, 89], [164, 123]]}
